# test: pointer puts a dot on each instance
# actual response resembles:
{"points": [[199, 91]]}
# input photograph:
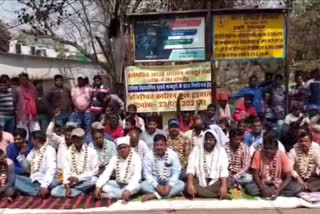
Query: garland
{"points": [[126, 175], [270, 169], [305, 172], [35, 165], [74, 162], [104, 154], [234, 158], [3, 175], [163, 174], [205, 166]]}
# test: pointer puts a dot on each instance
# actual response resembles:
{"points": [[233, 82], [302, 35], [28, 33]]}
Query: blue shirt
{"points": [[173, 169], [251, 138], [13, 152], [111, 151], [256, 92]]}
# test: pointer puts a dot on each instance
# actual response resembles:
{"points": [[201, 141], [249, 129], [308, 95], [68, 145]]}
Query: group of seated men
{"points": [[64, 165]]}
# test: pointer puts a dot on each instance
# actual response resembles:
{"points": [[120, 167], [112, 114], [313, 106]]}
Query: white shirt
{"points": [[134, 172], [223, 139], [47, 169], [91, 168], [142, 149], [195, 139], [290, 118], [104, 157], [57, 142]]}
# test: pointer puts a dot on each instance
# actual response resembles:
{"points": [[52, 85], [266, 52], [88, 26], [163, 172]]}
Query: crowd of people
{"points": [[64, 143]]}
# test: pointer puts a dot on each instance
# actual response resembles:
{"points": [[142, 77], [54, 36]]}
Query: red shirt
{"points": [[115, 133], [185, 127], [242, 112]]}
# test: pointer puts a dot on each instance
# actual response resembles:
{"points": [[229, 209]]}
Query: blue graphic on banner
{"points": [[169, 87]]}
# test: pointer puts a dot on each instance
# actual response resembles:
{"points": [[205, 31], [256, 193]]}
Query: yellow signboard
{"points": [[249, 36], [156, 88]]}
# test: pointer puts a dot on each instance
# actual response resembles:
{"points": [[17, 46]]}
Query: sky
{"points": [[7, 11]]}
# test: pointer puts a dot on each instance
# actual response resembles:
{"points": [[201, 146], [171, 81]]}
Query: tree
{"points": [[4, 37]]}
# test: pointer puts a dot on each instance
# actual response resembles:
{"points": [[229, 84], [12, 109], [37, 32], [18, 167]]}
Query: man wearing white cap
{"points": [[80, 168], [97, 127], [127, 168], [81, 98]]}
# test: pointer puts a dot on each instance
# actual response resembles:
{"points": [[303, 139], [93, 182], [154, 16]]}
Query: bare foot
{"points": [[148, 197]]}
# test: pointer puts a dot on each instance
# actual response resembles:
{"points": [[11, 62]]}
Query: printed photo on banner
{"points": [[176, 39]]}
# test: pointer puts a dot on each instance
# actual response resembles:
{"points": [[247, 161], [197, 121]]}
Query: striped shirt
{"points": [[7, 108]]}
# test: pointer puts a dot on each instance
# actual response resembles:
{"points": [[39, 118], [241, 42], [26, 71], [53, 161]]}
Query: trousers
{"points": [[25, 185], [210, 191], [82, 187], [177, 188], [291, 190], [114, 190]]}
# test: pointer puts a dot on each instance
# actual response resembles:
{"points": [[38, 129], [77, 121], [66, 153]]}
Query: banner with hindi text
{"points": [[156, 88]]}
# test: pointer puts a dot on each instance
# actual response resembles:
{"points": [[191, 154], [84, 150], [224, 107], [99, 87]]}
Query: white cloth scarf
{"points": [[213, 167], [225, 113]]}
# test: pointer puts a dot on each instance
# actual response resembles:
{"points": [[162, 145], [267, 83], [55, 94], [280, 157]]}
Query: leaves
{"points": [[4, 37]]}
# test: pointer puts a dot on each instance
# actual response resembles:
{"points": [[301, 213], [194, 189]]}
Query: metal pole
{"points": [[286, 66], [210, 53]]}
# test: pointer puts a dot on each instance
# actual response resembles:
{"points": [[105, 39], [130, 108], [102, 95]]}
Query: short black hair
{"points": [[5, 77], [23, 74], [236, 132], [133, 106], [20, 132], [270, 139], [160, 137], [304, 134], [253, 77], [58, 76], [152, 118], [131, 120], [38, 135], [97, 76], [211, 106]]}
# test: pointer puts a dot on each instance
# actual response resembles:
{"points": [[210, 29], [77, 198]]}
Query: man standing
{"points": [[271, 172], [81, 166], [99, 94], [59, 97], [239, 158], [251, 90], [81, 98], [127, 168], [41, 164], [26, 106], [207, 172], [7, 107], [161, 170], [104, 148], [151, 131], [305, 158], [179, 143]]}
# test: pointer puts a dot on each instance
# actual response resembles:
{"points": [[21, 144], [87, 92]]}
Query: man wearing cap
{"points": [[179, 143], [81, 98], [127, 168], [97, 127], [80, 167], [105, 149], [224, 109], [162, 170]]}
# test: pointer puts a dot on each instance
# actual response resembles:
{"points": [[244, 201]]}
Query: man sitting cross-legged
{"points": [[80, 167], [239, 158], [305, 158], [207, 170], [271, 171], [41, 164], [128, 169], [161, 170]]}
